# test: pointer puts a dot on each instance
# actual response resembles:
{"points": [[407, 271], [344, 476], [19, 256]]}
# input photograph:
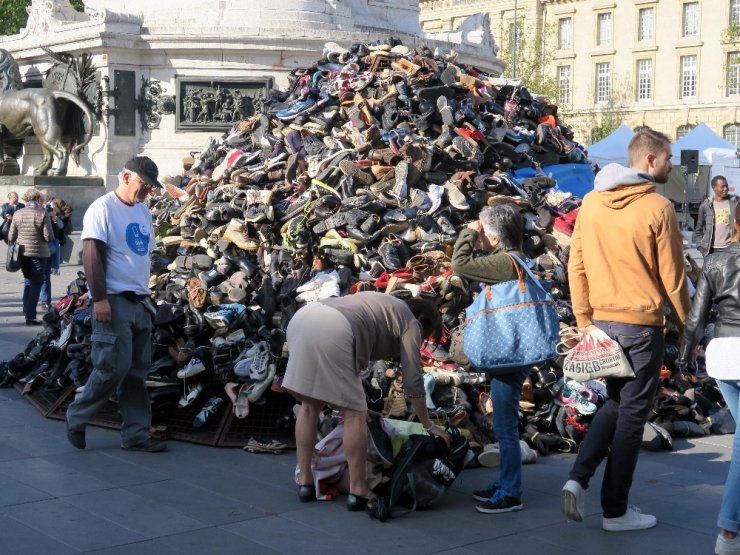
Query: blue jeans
{"points": [[53, 265], [506, 391], [729, 513], [616, 430], [34, 271]]}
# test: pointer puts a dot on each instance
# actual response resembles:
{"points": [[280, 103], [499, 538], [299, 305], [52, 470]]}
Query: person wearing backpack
{"points": [[499, 231]]}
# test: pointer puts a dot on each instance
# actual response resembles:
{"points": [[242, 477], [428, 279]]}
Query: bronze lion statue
{"points": [[37, 111]]}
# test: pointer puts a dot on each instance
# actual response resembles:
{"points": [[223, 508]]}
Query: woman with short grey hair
{"points": [[31, 229], [498, 231]]}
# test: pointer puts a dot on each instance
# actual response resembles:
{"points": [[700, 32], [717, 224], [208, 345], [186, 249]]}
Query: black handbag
{"points": [[13, 259], [421, 473], [4, 229]]}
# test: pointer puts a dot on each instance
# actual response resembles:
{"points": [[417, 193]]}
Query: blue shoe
{"points": [[297, 108], [500, 503]]}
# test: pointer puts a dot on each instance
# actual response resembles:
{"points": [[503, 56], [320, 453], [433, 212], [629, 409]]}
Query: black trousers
{"points": [[616, 431]]}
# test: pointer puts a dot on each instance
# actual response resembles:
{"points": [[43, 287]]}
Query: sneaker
{"points": [[573, 501], [486, 494], [727, 546], [491, 456], [529, 455], [500, 503], [260, 360], [148, 446], [192, 368], [209, 409], [633, 519]]}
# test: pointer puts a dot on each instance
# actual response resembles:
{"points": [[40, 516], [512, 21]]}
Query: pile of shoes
{"points": [[358, 178]]}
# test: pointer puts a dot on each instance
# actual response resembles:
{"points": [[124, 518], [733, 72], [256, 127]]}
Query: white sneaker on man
{"points": [[727, 546], [633, 519], [573, 501]]}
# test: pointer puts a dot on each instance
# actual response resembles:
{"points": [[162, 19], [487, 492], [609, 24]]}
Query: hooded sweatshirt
{"points": [[626, 257]]}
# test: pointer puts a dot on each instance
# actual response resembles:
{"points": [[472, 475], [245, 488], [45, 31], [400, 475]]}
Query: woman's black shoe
{"points": [[306, 493], [33, 322], [356, 503]]}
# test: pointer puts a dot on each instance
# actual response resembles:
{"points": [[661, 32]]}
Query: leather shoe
{"points": [[148, 446], [356, 503], [307, 493], [33, 322], [77, 438]]}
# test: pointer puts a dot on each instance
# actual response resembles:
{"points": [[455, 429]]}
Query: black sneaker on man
{"points": [[148, 446], [500, 503], [485, 494]]}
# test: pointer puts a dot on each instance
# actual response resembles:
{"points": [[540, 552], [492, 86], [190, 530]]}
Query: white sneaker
{"points": [[529, 455], [726, 546], [573, 501], [491, 456], [195, 366], [633, 519]]}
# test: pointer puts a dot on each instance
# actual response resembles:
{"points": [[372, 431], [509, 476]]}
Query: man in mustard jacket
{"points": [[626, 268]]}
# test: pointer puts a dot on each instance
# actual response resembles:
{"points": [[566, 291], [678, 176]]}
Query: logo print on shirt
{"points": [[137, 239]]}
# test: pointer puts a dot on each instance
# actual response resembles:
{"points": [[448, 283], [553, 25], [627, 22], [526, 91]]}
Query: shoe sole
{"points": [[569, 506], [626, 527], [481, 509]]}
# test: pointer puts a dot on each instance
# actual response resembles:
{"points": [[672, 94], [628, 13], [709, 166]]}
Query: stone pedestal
{"points": [[78, 191], [144, 50]]}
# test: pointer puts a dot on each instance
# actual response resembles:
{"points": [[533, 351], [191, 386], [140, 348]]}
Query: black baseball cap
{"points": [[144, 167]]}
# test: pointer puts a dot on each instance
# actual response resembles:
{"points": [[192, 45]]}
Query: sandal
{"points": [[275, 447]]}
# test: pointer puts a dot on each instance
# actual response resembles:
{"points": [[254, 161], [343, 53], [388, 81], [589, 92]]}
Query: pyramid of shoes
{"points": [[356, 178]]}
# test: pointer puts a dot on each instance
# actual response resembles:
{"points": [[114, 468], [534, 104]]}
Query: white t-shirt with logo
{"points": [[129, 235]]}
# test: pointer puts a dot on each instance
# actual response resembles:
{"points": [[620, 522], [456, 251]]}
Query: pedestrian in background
{"points": [[31, 229], [719, 285], [626, 264], [57, 225], [7, 212], [714, 222]]}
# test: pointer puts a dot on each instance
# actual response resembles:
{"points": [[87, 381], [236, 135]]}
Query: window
{"points": [[565, 33], [645, 29], [690, 19], [735, 11], [564, 85], [731, 133], [604, 29], [688, 76], [644, 79], [733, 73], [682, 130], [603, 82]]}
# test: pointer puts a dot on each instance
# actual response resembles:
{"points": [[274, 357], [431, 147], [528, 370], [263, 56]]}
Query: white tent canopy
{"points": [[612, 148], [704, 140]]}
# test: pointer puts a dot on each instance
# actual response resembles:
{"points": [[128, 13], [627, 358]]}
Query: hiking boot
{"points": [[573, 500], [147, 446], [485, 494], [633, 519], [500, 503]]}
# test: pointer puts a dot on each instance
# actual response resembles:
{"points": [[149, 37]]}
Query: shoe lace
{"points": [[498, 495]]}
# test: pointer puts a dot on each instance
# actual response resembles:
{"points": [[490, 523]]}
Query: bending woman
{"points": [[330, 342]]}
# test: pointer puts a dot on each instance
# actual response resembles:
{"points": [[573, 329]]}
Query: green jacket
{"points": [[489, 268]]}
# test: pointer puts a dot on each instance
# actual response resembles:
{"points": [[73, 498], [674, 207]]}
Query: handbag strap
{"points": [[521, 266]]}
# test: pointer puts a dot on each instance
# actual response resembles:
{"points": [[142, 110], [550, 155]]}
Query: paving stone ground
{"points": [[55, 499]]}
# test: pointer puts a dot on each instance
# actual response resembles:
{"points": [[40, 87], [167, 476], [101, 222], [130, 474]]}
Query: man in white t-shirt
{"points": [[117, 237]]}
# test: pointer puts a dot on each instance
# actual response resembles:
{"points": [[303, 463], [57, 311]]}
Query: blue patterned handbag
{"points": [[511, 324]]}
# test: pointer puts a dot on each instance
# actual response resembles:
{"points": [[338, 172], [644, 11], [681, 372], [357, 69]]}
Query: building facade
{"points": [[667, 64]]}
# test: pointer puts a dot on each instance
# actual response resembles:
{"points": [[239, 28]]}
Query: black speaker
{"points": [[690, 160]]}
